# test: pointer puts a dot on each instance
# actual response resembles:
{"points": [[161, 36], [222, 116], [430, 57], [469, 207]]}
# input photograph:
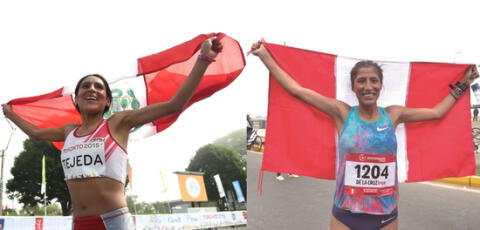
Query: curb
{"points": [[469, 181]]}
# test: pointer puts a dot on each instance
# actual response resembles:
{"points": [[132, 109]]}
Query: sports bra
{"points": [[94, 155]]}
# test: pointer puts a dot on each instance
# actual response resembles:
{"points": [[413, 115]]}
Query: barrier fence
{"points": [[182, 221]]}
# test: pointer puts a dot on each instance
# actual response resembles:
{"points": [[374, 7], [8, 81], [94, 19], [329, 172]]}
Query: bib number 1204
{"points": [[371, 172]]}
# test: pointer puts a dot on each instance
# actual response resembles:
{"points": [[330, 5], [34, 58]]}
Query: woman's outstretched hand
{"points": [[7, 109], [258, 48], [211, 47], [470, 74]]}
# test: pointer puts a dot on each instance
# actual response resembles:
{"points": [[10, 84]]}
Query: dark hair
{"points": [[365, 64], [105, 83]]}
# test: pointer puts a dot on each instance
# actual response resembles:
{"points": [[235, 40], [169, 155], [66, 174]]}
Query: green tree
{"points": [[131, 202], [27, 176], [37, 210], [235, 140], [160, 207], [213, 159], [145, 208]]}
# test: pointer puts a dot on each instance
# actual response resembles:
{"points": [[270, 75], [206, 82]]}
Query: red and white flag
{"points": [[159, 77], [302, 140]]}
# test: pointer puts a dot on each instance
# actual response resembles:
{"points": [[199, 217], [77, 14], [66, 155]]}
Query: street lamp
{"points": [[3, 163]]}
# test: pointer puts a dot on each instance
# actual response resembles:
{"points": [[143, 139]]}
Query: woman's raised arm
{"points": [[131, 118], [405, 114], [332, 107], [51, 134]]}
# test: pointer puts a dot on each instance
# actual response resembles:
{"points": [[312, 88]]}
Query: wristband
{"points": [[453, 95], [206, 58], [462, 85], [457, 93]]}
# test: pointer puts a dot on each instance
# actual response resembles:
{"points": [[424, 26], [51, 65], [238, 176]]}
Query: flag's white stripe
{"points": [[67, 91], [137, 84], [402, 160], [394, 92], [122, 78]]}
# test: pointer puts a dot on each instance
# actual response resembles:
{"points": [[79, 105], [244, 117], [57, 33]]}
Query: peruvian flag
{"points": [[302, 140], [159, 77]]}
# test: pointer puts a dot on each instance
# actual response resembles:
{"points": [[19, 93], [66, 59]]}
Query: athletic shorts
{"points": [[363, 221], [119, 219]]}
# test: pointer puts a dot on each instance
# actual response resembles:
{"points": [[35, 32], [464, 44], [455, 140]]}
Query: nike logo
{"points": [[379, 129], [385, 221]]}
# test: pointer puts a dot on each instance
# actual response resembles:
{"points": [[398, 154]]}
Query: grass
{"points": [[478, 170]]}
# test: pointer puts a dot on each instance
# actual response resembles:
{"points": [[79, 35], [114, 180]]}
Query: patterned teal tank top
{"points": [[366, 165]]}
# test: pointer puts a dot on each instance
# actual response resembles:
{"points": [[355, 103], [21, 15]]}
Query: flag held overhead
{"points": [[159, 77], [302, 140]]}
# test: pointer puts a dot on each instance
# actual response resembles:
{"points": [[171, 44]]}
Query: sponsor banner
{"points": [[182, 221], [191, 221], [192, 187]]}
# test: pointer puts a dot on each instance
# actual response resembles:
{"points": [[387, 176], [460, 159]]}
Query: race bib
{"points": [[84, 160], [370, 174]]}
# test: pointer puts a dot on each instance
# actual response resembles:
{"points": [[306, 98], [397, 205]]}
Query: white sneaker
{"points": [[280, 178], [293, 176]]}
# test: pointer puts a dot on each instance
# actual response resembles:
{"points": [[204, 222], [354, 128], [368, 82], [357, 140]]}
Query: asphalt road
{"points": [[305, 203]]}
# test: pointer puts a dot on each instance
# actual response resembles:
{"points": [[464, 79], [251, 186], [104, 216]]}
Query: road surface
{"points": [[305, 203]]}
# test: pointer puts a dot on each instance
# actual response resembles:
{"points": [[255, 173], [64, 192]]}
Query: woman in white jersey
{"points": [[94, 159]]}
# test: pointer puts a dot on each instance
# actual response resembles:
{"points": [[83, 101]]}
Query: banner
{"points": [[238, 191], [218, 182], [43, 189], [192, 187], [188, 221], [183, 221]]}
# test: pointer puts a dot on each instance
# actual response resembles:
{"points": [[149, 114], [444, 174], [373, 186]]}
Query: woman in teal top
{"points": [[366, 194], [367, 185]]}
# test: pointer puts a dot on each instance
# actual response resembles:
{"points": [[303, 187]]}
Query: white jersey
{"points": [[94, 155]]}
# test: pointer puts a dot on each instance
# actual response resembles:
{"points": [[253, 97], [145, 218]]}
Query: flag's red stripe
{"points": [[439, 148], [176, 54], [163, 84], [25, 100], [49, 113], [300, 139]]}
